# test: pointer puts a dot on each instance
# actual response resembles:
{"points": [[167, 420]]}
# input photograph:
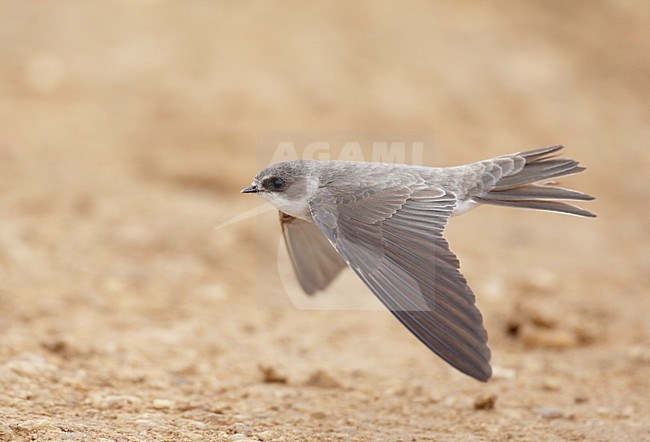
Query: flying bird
{"points": [[386, 222]]}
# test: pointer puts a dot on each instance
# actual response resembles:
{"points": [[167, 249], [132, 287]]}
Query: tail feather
{"points": [[538, 171], [535, 191], [525, 186], [550, 206], [543, 152]]}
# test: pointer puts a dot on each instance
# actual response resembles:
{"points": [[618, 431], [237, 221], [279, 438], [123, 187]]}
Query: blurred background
{"points": [[127, 129]]}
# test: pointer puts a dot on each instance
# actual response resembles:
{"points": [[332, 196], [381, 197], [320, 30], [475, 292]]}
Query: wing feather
{"points": [[314, 260], [392, 238]]}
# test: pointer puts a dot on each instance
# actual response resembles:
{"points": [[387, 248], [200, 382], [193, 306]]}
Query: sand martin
{"points": [[386, 221]]}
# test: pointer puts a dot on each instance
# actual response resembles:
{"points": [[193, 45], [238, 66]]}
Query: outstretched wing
{"points": [[315, 261], [392, 238]]}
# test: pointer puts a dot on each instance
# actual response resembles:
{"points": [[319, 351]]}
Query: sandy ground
{"points": [[127, 129]]}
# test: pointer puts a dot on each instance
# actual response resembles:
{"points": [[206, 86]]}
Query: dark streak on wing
{"points": [[314, 260], [392, 238]]}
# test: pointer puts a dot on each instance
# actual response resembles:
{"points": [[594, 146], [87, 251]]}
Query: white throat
{"points": [[297, 208]]}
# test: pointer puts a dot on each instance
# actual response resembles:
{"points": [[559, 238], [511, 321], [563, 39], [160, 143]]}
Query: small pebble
{"points": [[242, 428], [39, 425], [162, 404], [57, 345], [602, 411], [551, 384], [271, 376], [485, 402], [507, 374], [587, 334], [322, 379], [105, 402], [542, 319], [550, 412], [267, 435]]}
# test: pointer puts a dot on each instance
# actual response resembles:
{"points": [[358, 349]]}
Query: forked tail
{"points": [[524, 180]]}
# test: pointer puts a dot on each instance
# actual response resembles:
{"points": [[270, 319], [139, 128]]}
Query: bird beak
{"points": [[250, 189]]}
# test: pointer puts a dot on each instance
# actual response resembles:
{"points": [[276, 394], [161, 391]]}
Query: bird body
{"points": [[385, 221]]}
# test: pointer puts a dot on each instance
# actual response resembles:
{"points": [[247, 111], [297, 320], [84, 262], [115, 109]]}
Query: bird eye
{"points": [[278, 183]]}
